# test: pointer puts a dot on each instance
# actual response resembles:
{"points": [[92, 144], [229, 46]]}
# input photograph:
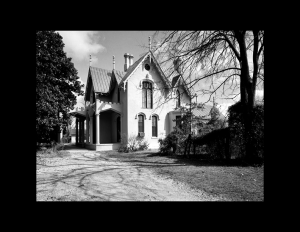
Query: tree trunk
{"points": [[247, 97]]}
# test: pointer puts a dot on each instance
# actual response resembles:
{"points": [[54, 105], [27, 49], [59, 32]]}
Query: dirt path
{"points": [[84, 175]]}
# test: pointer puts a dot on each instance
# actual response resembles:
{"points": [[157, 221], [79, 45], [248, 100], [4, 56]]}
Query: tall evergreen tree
{"points": [[56, 85]]}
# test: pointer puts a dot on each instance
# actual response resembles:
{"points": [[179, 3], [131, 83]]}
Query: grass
{"points": [[50, 152], [232, 180]]}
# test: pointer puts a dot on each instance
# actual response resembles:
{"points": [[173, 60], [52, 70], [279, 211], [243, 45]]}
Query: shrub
{"points": [[169, 143], [133, 143], [237, 144]]}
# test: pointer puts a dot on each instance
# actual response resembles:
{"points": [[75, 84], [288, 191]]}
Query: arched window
{"points": [[154, 126], [119, 95], [178, 98], [147, 95], [141, 123]]}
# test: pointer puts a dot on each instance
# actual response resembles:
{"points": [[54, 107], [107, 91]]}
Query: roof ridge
{"points": [[133, 66], [106, 69]]}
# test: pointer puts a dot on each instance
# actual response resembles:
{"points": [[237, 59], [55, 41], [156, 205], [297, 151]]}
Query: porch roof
{"points": [[78, 114]]}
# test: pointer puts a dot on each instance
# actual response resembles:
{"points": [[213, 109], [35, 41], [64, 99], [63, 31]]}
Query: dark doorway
{"points": [[118, 129]]}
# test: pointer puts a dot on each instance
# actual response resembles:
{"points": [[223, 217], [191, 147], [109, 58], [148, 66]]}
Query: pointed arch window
{"points": [[141, 123], [154, 126], [147, 95]]}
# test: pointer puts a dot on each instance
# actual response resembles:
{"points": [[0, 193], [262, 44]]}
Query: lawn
{"points": [[230, 180]]}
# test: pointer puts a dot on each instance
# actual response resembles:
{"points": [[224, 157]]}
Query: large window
{"points": [[147, 95], [154, 126], [141, 123], [178, 99]]}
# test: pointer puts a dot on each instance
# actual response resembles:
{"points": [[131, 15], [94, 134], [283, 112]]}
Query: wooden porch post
{"points": [[98, 128], [97, 121], [76, 131], [87, 130], [92, 129]]}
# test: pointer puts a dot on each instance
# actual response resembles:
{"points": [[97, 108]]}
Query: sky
{"points": [[103, 45]]}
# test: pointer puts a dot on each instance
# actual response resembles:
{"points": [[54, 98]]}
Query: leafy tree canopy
{"points": [[56, 84]]}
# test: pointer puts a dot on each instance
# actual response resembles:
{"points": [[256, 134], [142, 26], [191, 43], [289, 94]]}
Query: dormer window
{"points": [[147, 95]]}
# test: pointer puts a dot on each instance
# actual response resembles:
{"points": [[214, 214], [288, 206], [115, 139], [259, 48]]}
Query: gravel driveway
{"points": [[83, 175]]}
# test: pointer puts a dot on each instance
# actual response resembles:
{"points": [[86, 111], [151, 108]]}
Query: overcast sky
{"points": [[103, 45]]}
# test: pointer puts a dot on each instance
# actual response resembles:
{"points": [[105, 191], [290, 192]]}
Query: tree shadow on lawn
{"points": [[80, 178], [196, 160]]}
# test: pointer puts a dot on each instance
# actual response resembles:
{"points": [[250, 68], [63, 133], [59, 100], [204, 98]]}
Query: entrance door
{"points": [[118, 129]]}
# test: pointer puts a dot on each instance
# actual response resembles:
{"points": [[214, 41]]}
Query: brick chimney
{"points": [[130, 59], [126, 65]]}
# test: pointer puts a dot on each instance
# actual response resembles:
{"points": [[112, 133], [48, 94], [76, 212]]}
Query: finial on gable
{"points": [[90, 60], [149, 48], [113, 62]]}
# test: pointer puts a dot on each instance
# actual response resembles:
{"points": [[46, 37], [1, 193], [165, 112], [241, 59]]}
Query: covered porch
{"points": [[103, 129]]}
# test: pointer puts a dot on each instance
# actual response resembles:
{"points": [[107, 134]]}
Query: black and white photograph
{"points": [[150, 116]]}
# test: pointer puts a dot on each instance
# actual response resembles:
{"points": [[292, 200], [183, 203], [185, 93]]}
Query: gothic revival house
{"points": [[141, 101]]}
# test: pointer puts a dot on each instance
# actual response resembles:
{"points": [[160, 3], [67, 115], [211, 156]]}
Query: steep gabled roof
{"points": [[176, 79], [133, 67], [136, 64], [118, 75], [102, 79]]}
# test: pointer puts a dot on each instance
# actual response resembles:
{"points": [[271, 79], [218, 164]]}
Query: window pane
{"points": [[141, 123], [149, 98], [154, 126], [153, 120], [144, 98]]}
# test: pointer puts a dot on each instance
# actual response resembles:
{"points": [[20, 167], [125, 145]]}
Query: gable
{"points": [[102, 80], [137, 64]]}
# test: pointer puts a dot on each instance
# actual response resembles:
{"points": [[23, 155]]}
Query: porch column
{"points": [[91, 129], [121, 131], [98, 128], [87, 130], [79, 131], [76, 131], [83, 131]]}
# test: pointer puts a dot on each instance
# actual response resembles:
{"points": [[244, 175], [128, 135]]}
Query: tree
{"points": [[56, 85], [231, 59]]}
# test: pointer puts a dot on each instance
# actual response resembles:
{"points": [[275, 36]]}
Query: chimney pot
{"points": [[130, 59], [126, 65]]}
